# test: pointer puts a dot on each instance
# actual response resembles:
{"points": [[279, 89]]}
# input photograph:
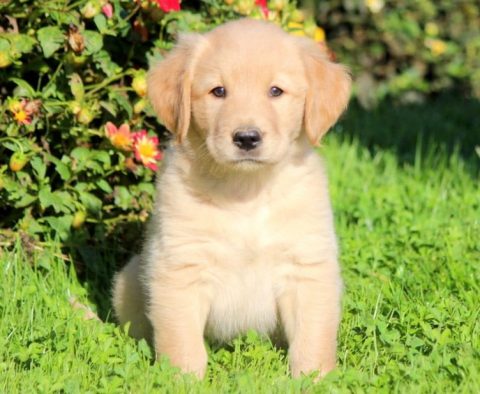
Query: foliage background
{"points": [[68, 68], [403, 48]]}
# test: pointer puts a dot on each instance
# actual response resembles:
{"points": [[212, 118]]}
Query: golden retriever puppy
{"points": [[241, 236]]}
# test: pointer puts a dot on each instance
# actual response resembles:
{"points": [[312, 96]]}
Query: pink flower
{"points": [[107, 10], [169, 5], [146, 149], [263, 5], [120, 137]]}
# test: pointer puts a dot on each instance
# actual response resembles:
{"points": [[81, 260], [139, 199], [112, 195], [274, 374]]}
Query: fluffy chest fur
{"points": [[243, 253]]}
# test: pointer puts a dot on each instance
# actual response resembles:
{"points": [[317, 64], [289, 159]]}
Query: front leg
{"points": [[310, 313], [178, 310]]}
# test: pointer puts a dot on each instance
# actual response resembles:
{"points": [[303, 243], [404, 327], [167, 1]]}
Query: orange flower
{"points": [[146, 149], [21, 111], [121, 137]]}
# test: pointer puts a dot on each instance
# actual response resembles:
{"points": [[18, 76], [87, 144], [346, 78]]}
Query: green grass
{"points": [[405, 187]]}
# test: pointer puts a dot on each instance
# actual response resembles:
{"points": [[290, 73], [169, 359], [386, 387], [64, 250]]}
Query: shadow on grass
{"points": [[438, 127], [98, 255]]}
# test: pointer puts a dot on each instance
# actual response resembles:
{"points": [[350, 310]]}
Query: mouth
{"points": [[253, 161], [247, 163]]}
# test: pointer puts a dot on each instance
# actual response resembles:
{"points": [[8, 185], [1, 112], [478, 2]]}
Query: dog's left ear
{"points": [[328, 90], [169, 85]]}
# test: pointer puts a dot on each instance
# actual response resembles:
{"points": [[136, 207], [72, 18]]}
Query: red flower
{"points": [[169, 5], [263, 5], [146, 149]]}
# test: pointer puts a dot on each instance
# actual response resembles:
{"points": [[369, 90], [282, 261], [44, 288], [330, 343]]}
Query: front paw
{"points": [[302, 363], [194, 362]]}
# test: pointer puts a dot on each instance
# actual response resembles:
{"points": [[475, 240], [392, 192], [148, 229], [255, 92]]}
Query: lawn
{"points": [[405, 187]]}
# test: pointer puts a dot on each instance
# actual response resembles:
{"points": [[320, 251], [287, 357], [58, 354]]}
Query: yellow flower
{"points": [[374, 6], [20, 111], [294, 25], [296, 29], [22, 117], [5, 59], [319, 35], [438, 47], [139, 83]]}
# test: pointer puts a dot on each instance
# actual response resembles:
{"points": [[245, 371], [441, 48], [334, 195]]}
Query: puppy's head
{"points": [[247, 91]]}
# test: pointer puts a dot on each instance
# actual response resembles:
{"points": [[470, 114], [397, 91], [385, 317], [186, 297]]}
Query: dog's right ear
{"points": [[169, 85]]}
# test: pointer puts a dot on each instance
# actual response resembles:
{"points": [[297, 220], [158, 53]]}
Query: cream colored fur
{"points": [[240, 240]]}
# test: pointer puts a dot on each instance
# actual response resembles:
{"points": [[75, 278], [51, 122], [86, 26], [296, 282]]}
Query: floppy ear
{"points": [[169, 85], [328, 91]]}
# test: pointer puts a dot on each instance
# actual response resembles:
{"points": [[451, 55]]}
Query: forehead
{"points": [[244, 52]]}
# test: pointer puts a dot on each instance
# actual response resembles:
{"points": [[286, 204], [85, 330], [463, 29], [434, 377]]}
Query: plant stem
{"points": [[99, 86]]}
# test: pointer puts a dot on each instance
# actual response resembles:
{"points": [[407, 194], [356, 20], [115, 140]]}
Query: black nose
{"points": [[247, 139]]}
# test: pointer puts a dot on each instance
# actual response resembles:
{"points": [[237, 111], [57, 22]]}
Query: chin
{"points": [[248, 164]]}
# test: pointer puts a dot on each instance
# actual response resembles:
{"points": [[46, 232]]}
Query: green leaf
{"points": [[61, 168], [101, 156], [24, 88], [81, 186], [122, 100], [123, 198], [108, 106], [93, 41], [65, 18], [106, 64], [101, 23], [39, 167], [91, 202], [60, 201], [104, 185], [51, 39], [25, 201], [76, 86], [61, 225], [20, 43], [147, 187], [4, 45], [81, 154]]}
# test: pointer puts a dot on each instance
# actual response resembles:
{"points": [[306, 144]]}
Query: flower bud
{"points": [[18, 161], [75, 107], [139, 83], [78, 219], [91, 9], [84, 116], [5, 59], [139, 106]]}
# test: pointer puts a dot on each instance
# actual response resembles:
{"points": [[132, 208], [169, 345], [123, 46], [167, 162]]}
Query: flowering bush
{"points": [[79, 143], [405, 49]]}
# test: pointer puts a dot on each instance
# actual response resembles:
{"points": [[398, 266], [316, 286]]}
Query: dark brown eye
{"points": [[275, 91], [219, 91]]}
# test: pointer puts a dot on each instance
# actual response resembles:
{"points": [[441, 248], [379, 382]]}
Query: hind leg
{"points": [[129, 300]]}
